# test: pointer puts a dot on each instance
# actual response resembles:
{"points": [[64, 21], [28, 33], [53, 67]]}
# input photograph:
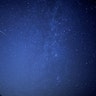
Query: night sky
{"points": [[48, 47]]}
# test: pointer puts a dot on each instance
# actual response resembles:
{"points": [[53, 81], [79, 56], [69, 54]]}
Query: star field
{"points": [[47, 47]]}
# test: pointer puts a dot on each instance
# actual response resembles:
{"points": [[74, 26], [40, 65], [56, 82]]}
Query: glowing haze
{"points": [[47, 48]]}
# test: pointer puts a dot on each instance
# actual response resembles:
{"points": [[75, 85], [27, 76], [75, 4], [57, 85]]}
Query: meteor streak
{"points": [[3, 33]]}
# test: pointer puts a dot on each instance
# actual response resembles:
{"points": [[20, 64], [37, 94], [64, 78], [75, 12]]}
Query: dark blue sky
{"points": [[48, 47]]}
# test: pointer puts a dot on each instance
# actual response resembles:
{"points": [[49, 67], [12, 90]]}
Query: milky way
{"points": [[47, 48]]}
